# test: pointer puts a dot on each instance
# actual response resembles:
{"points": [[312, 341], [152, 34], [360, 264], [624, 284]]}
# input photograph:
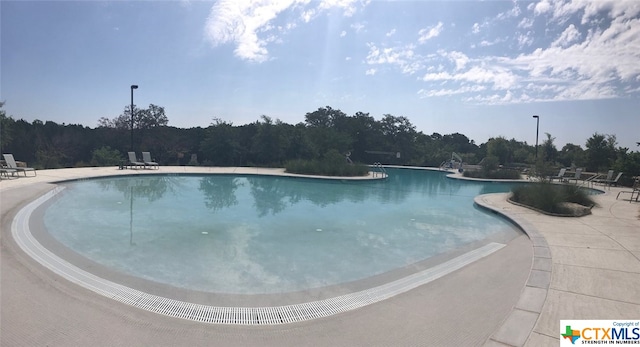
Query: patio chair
{"points": [[599, 179], [577, 176], [559, 176], [133, 161], [635, 190], [590, 181], [5, 172], [11, 164], [146, 158], [613, 182]]}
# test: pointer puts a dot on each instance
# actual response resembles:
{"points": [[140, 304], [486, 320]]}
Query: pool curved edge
{"points": [[237, 171], [539, 281], [275, 315], [458, 176]]}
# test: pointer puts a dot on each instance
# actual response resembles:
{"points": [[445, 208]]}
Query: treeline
{"points": [[269, 142]]}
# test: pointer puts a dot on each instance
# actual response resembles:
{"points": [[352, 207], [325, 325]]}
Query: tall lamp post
{"points": [[537, 130], [133, 86]]}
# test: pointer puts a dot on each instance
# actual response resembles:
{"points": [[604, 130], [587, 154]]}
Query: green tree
{"points": [[399, 136], [6, 124], [549, 150], [459, 143], [299, 146], [601, 152], [324, 117], [269, 143], [521, 152], [220, 146], [629, 164], [148, 118], [499, 147], [572, 155], [151, 117], [105, 156]]}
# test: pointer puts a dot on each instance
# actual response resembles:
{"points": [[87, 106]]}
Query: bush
{"points": [[494, 175], [105, 156], [492, 170], [489, 164], [551, 198], [332, 164]]}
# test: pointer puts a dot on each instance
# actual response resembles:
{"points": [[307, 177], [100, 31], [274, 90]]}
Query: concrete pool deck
{"points": [[572, 268]]}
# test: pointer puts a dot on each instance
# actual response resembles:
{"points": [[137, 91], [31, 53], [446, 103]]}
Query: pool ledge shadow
{"points": [[519, 324]]}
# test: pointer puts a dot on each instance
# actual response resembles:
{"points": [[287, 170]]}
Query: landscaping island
{"points": [[332, 164], [562, 200]]}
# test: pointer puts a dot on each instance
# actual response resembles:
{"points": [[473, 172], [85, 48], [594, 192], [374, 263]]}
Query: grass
{"points": [[551, 198]]}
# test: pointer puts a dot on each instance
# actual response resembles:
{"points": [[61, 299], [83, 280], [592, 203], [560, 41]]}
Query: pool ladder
{"points": [[379, 169]]}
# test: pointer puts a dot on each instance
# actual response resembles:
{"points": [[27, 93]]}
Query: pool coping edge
{"points": [[519, 324]]}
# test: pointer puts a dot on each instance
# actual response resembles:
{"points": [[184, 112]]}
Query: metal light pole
{"points": [[537, 130], [133, 86]]}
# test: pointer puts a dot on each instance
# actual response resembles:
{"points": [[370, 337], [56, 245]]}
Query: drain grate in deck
{"points": [[228, 315]]}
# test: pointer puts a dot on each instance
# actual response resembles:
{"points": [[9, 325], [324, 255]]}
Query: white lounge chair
{"points": [[6, 172], [635, 190], [600, 179], [612, 182], [11, 164], [577, 175], [560, 175], [146, 158], [133, 161]]}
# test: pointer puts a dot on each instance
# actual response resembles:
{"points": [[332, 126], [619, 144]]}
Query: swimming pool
{"points": [[262, 234]]}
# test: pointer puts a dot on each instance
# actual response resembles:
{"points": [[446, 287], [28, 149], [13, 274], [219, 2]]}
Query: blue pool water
{"points": [[263, 234]]}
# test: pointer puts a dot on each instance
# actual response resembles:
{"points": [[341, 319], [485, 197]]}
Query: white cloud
{"points": [[580, 67], [248, 24], [597, 59], [343, 33], [402, 57], [390, 33], [429, 33], [542, 7], [525, 39], [308, 15], [560, 10], [358, 27], [513, 12], [485, 43], [240, 21], [476, 28], [497, 76], [568, 36], [525, 23], [460, 59], [613, 52], [350, 7], [424, 93], [370, 72]]}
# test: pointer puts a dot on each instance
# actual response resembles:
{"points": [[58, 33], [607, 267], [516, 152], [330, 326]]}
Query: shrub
{"points": [[489, 164], [551, 198], [332, 164], [495, 174], [492, 170], [105, 156]]}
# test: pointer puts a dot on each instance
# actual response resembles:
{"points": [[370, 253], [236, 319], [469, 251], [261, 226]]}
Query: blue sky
{"points": [[481, 68]]}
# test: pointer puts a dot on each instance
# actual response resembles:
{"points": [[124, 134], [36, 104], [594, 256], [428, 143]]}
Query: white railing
{"points": [[379, 169]]}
